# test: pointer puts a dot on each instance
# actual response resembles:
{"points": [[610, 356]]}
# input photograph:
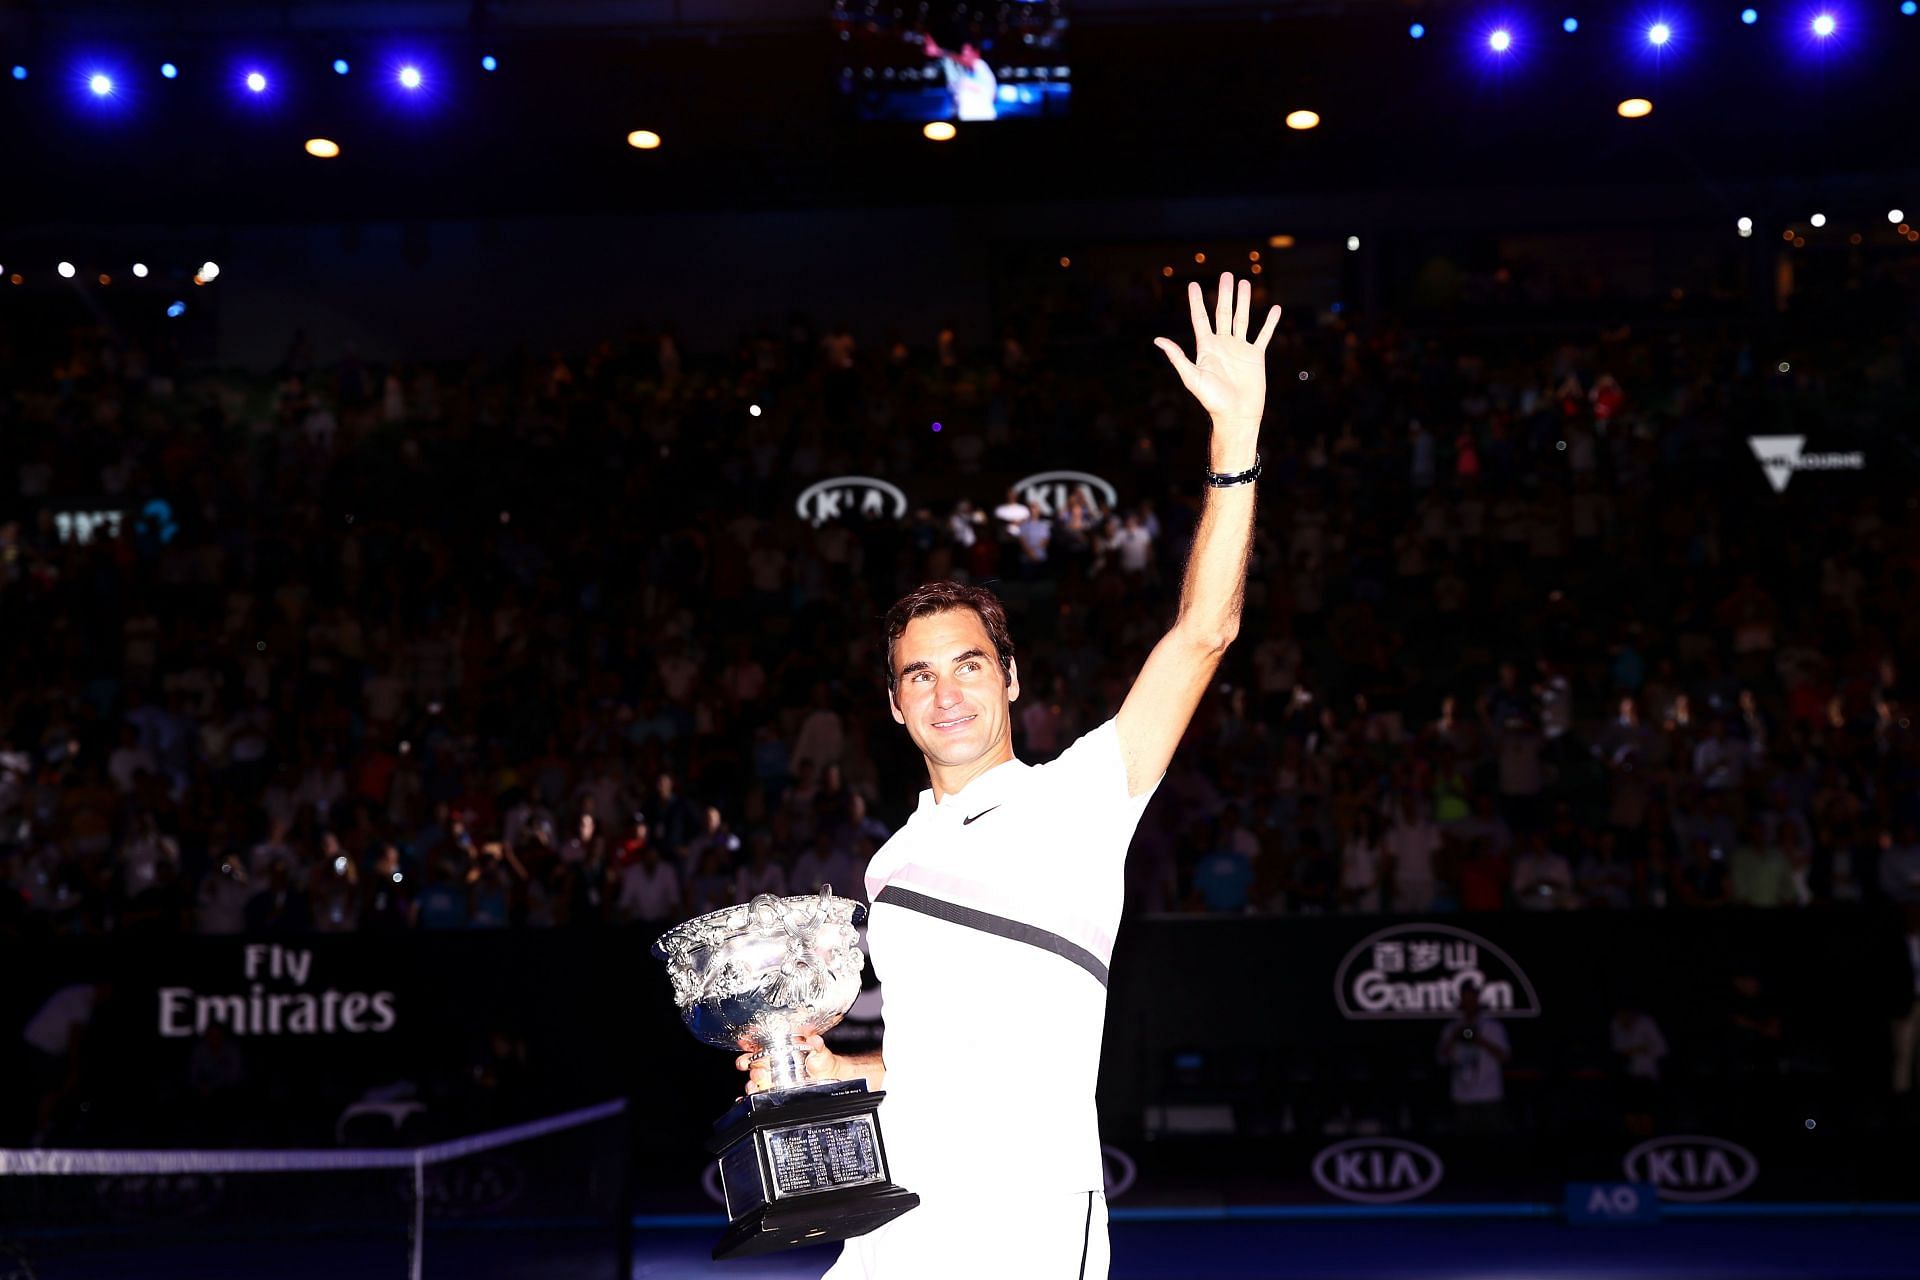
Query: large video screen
{"points": [[962, 64]]}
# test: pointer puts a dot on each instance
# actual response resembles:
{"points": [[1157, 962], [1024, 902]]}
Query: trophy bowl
{"points": [[762, 974]]}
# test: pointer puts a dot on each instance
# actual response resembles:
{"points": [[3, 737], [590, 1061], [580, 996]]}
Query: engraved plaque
{"points": [[823, 1156]]}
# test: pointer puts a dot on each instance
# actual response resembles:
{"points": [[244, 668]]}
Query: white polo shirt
{"points": [[991, 929]]}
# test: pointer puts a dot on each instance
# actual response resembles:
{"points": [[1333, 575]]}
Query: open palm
{"points": [[1228, 373]]}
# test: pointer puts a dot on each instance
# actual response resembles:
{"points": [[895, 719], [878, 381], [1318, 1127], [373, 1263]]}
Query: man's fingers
{"points": [[1181, 365], [1266, 330], [1197, 304], [1223, 306], [1242, 307]]}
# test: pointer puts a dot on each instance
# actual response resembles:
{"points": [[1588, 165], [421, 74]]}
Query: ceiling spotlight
{"points": [[1303, 119], [647, 139], [1818, 219], [489, 63], [66, 270], [140, 270], [340, 66], [1749, 16], [1659, 33], [410, 77], [209, 270], [1570, 26], [1909, 8], [1500, 41], [1745, 225], [176, 310], [322, 148], [938, 131], [101, 85], [1823, 25], [19, 72], [1896, 215], [256, 82], [1353, 244], [168, 70], [1416, 30], [1634, 109]]}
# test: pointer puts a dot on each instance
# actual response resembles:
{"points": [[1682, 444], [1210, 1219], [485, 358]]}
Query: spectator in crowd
{"points": [[1638, 1048], [1474, 1049]]}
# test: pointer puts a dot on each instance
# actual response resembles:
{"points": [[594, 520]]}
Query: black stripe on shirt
{"points": [[1000, 926]]}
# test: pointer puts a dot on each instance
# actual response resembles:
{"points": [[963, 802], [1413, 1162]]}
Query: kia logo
{"points": [[1377, 1170], [1691, 1167], [1047, 492], [863, 496]]}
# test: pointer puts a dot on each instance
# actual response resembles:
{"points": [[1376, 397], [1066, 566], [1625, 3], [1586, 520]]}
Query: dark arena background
{"points": [[455, 457]]}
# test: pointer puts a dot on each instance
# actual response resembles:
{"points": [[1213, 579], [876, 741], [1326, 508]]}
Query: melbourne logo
{"points": [[1781, 456], [1047, 493], [1377, 1170], [1691, 1167], [1419, 970], [862, 496]]}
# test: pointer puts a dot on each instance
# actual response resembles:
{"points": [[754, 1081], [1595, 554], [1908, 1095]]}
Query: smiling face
{"points": [[949, 694]]}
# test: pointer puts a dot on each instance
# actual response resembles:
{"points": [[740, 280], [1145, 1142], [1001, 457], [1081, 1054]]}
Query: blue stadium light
{"points": [[1501, 40], [19, 72], [1570, 26], [1824, 25], [168, 70], [489, 63], [340, 66], [1749, 16], [1659, 33], [256, 82], [175, 311], [410, 77], [1909, 8], [1416, 31], [100, 83]]}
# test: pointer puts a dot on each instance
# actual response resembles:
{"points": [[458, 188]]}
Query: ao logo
{"points": [[1692, 1168], [863, 496], [1048, 491], [1377, 1170], [1617, 1201]]}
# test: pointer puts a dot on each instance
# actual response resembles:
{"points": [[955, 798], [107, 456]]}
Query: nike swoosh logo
{"points": [[983, 813]]}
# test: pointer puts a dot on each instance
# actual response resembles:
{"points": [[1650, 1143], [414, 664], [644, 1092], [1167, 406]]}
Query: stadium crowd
{"points": [[542, 640]]}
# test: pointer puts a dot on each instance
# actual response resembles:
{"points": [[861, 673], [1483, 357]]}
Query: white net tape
{"points": [[159, 1161]]}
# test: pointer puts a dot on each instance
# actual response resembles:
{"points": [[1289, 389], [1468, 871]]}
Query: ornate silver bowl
{"points": [[760, 975]]}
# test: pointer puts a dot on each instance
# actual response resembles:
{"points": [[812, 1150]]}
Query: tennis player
{"points": [[994, 907]]}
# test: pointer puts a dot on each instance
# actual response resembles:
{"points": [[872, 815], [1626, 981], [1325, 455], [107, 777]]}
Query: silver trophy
{"points": [[801, 1162]]}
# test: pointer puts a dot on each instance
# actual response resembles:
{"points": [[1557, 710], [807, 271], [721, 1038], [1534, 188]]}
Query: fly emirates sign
{"points": [[279, 1000]]}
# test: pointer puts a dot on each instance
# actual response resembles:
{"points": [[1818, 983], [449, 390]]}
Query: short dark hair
{"points": [[943, 597]]}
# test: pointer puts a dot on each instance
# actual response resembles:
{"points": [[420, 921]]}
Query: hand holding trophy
{"points": [[801, 1161]]}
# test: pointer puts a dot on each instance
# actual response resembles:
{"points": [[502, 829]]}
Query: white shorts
{"points": [[1050, 1237]]}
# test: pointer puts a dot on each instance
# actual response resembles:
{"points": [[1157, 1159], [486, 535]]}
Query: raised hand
{"points": [[1228, 374]]}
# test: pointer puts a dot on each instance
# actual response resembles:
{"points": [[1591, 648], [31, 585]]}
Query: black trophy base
{"points": [[789, 1224], [804, 1166]]}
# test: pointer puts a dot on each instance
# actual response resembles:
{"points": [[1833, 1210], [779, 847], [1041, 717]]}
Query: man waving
{"points": [[994, 907]]}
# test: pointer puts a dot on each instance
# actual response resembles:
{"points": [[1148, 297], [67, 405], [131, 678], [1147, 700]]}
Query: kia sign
{"points": [[1419, 970], [1377, 1170], [1693, 1168], [862, 496], [1047, 492]]}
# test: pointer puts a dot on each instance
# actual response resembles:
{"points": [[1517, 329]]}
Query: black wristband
{"points": [[1226, 480]]}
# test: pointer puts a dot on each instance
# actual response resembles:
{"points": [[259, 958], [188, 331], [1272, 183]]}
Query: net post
{"points": [[419, 1243]]}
